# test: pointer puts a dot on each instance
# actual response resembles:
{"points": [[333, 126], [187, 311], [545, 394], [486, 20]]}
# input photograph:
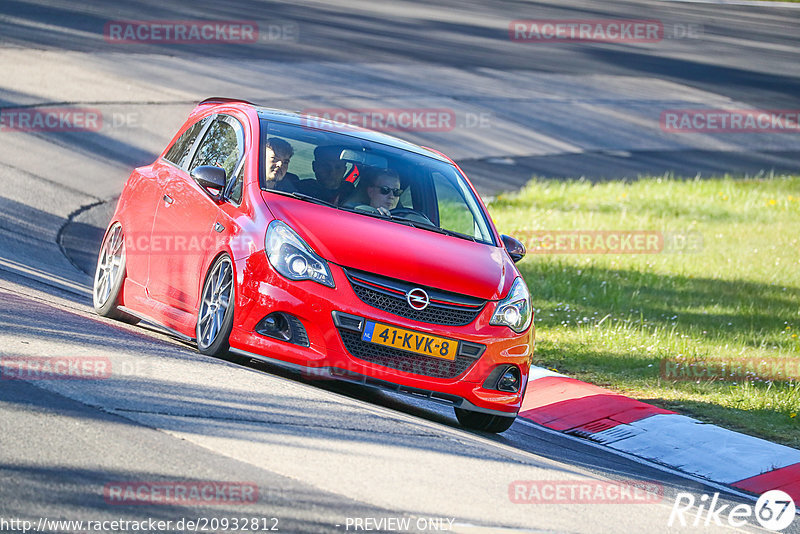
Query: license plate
{"points": [[410, 341]]}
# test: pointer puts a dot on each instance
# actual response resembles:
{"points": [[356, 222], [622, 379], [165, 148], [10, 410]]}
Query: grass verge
{"points": [[704, 322]]}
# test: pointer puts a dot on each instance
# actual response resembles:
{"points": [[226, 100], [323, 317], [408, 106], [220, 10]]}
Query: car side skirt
{"points": [[156, 323]]}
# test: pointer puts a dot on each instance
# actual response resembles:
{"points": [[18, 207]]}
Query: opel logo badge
{"points": [[418, 299]]}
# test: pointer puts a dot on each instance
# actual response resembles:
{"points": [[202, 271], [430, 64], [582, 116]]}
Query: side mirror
{"points": [[514, 247], [209, 177]]}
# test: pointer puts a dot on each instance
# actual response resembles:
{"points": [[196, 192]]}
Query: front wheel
{"points": [[484, 421], [215, 317]]}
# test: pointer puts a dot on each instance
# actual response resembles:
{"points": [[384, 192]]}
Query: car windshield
{"points": [[372, 179]]}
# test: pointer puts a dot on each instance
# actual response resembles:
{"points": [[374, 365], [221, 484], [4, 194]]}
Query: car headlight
{"points": [[514, 311], [292, 257]]}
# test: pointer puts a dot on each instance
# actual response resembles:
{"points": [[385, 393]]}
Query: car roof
{"points": [[302, 119]]}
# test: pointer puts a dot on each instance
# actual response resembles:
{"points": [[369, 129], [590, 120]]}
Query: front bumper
{"points": [[261, 291]]}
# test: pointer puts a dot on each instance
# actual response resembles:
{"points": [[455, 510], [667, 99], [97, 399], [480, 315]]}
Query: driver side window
{"points": [[222, 146]]}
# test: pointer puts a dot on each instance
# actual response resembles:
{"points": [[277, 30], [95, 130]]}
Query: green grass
{"points": [[734, 295]]}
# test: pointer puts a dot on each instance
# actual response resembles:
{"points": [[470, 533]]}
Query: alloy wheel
{"points": [[110, 266], [216, 300]]}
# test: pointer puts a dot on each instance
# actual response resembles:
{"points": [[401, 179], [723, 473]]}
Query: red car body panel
{"points": [[165, 287], [397, 251], [191, 213]]}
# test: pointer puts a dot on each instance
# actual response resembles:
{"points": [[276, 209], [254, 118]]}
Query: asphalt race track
{"points": [[323, 455]]}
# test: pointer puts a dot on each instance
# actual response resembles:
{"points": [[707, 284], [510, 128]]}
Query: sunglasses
{"points": [[387, 190]]}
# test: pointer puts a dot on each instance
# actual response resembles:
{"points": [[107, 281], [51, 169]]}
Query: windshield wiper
{"points": [[303, 196], [432, 228], [418, 224], [463, 236], [375, 214]]}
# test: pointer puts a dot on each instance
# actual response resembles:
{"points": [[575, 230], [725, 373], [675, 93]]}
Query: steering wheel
{"points": [[412, 215]]}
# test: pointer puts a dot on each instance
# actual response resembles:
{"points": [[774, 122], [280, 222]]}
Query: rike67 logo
{"points": [[774, 510]]}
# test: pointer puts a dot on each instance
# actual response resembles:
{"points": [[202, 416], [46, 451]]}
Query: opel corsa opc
{"points": [[390, 274]]}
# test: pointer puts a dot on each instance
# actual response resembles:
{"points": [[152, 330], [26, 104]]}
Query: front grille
{"points": [[389, 295], [401, 360]]}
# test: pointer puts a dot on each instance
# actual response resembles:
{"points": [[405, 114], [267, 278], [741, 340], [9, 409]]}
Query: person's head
{"points": [[276, 158], [328, 168], [382, 187]]}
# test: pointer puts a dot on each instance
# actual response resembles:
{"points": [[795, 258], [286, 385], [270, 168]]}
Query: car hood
{"points": [[398, 251]]}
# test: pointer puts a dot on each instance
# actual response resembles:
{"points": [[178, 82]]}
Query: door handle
{"points": [[168, 200], [218, 227]]}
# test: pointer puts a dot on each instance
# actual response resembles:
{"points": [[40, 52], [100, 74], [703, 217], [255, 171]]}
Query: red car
{"points": [[332, 250]]}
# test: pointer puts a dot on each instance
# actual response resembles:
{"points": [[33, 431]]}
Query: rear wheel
{"points": [[484, 421], [215, 317], [110, 276]]}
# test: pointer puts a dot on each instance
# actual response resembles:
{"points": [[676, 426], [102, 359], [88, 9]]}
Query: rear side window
{"points": [[222, 146], [179, 151]]}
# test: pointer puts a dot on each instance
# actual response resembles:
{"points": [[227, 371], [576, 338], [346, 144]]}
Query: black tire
{"points": [[214, 341], [109, 276], [483, 421]]}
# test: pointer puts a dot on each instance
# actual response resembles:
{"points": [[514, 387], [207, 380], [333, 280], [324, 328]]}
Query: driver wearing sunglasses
{"points": [[384, 190], [378, 190]]}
